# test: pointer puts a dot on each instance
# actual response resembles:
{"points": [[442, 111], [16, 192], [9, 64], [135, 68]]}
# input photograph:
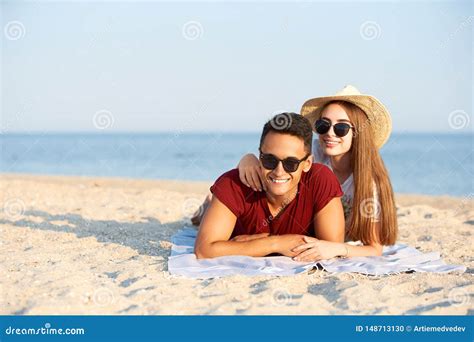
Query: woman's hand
{"points": [[314, 250], [250, 173]]}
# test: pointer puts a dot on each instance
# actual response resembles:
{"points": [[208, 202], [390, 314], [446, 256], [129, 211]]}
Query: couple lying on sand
{"points": [[305, 201]]}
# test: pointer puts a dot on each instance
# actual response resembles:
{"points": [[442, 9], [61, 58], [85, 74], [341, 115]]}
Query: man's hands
{"points": [[313, 250], [299, 247], [284, 244]]}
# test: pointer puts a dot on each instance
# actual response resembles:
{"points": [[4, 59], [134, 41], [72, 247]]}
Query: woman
{"points": [[351, 128]]}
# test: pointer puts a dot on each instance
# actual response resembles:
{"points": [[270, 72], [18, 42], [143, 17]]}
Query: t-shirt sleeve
{"points": [[325, 187], [229, 190]]}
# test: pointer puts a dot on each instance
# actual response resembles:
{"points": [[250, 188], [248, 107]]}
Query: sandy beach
{"points": [[77, 245]]}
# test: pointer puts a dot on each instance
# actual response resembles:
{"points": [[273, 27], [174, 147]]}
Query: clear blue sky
{"points": [[249, 60]]}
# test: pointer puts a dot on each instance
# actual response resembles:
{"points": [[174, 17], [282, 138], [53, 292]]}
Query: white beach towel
{"points": [[395, 259]]}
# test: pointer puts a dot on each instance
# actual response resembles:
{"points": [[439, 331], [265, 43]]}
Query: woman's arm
{"points": [[315, 249], [373, 249]]}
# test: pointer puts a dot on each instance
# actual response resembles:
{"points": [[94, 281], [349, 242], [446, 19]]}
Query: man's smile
{"points": [[279, 180]]}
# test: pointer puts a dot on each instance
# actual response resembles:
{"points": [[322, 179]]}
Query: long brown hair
{"points": [[368, 171]]}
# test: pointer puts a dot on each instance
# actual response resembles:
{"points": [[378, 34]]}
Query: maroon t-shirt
{"points": [[315, 189]]}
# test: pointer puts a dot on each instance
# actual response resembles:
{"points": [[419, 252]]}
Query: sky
{"points": [[217, 66]]}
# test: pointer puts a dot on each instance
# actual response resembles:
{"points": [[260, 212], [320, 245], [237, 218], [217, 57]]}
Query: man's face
{"points": [[282, 146]]}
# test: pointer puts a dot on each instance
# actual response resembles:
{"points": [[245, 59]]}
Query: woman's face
{"points": [[331, 144]]}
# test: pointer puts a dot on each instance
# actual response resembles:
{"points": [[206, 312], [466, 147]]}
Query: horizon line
{"points": [[178, 132]]}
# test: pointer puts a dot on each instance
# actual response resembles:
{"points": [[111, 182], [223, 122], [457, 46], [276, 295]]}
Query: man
{"points": [[302, 199]]}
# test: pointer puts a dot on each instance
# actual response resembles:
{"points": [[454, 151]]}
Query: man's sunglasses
{"points": [[340, 129], [290, 164]]}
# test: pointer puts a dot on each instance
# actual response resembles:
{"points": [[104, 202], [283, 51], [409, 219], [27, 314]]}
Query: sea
{"points": [[422, 163]]}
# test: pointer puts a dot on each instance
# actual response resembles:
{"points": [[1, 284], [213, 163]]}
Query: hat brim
{"points": [[379, 118]]}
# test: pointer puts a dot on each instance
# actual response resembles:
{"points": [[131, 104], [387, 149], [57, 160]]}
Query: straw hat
{"points": [[379, 117]]}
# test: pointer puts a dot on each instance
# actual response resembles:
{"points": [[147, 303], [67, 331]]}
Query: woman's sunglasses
{"points": [[290, 164], [340, 129]]}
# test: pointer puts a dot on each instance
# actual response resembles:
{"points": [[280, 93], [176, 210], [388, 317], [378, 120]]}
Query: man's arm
{"points": [[329, 222], [214, 233]]}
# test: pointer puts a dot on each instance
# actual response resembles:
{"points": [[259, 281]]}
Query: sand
{"points": [[77, 245]]}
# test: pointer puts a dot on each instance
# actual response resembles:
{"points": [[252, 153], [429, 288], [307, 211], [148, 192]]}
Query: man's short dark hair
{"points": [[292, 124]]}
